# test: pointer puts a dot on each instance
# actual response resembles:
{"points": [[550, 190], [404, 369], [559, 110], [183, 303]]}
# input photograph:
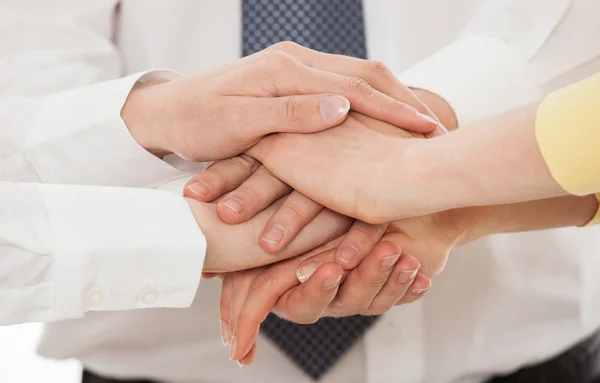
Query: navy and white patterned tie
{"points": [[334, 26]]}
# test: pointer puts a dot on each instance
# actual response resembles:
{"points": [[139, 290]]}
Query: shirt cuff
{"points": [[112, 253], [568, 132], [79, 137], [477, 76]]}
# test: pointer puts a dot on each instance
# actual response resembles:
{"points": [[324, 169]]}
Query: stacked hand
{"points": [[367, 271], [252, 110]]}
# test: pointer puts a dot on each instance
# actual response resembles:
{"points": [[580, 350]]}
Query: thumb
{"points": [[299, 113]]}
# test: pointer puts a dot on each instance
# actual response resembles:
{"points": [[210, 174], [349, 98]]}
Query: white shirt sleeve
{"points": [[68, 249], [486, 69], [65, 250], [61, 95]]}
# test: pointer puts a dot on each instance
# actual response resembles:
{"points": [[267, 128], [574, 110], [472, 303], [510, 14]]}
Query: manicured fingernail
{"points": [[199, 188], [333, 108], [331, 283], [418, 291], [389, 262], [439, 130], [234, 204], [232, 348], [425, 117], [305, 271], [407, 276], [225, 335], [240, 363], [273, 234], [347, 254]]}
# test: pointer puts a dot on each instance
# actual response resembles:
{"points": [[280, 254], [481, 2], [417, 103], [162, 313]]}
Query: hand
{"points": [[385, 278], [255, 189], [286, 88], [224, 255]]}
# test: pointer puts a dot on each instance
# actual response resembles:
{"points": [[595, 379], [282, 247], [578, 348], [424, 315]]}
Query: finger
{"points": [[251, 197], [306, 303], [242, 282], [220, 177], [291, 217], [249, 358], [224, 306], [358, 243], [365, 282], [266, 290], [419, 287], [210, 275], [288, 113], [374, 72], [396, 286]]}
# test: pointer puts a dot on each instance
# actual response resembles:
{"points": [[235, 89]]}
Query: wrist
{"points": [[140, 116]]}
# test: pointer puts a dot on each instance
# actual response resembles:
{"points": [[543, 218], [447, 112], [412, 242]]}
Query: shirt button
{"points": [[94, 299], [149, 296]]}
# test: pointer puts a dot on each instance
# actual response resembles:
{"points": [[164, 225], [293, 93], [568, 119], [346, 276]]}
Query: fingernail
{"points": [[331, 283], [389, 262], [418, 291], [347, 254], [273, 234], [199, 188], [232, 347], [234, 204], [407, 276], [427, 118], [305, 271], [225, 335], [240, 363], [439, 130], [333, 108]]}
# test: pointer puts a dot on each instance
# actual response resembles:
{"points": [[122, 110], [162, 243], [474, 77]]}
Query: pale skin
{"points": [[429, 239], [285, 88], [305, 303]]}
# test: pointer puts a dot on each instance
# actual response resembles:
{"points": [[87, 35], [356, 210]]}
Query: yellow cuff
{"points": [[568, 132], [596, 219]]}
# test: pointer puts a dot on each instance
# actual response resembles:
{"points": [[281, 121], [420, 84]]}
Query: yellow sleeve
{"points": [[568, 133]]}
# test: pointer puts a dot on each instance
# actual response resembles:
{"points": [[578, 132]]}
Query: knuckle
{"points": [[249, 192], [359, 85], [294, 110], [263, 282], [291, 210], [285, 46], [242, 161], [378, 70], [281, 58]]}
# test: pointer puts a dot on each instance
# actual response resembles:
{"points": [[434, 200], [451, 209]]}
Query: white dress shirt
{"points": [[501, 303]]}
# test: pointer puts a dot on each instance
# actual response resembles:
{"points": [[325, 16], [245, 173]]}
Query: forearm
{"points": [[498, 162], [478, 222]]}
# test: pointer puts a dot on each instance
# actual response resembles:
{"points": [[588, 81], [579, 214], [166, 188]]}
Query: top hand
{"points": [[286, 88]]}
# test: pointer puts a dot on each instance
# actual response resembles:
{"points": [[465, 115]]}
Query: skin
{"points": [[428, 239], [224, 255], [493, 165], [286, 88]]}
